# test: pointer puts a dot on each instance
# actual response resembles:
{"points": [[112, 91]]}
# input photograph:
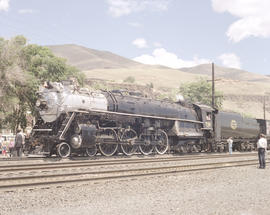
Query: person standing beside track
{"points": [[1, 146], [230, 143], [19, 141], [262, 146]]}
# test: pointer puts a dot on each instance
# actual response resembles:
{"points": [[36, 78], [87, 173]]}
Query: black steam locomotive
{"points": [[78, 121]]}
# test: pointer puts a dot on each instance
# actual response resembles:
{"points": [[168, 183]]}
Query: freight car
{"points": [[74, 120]]}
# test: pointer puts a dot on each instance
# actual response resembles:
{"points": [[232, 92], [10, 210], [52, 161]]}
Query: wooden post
{"points": [[264, 107], [213, 86], [213, 145]]}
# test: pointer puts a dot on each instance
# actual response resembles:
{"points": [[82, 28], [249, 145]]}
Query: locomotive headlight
{"points": [[41, 104], [38, 103]]}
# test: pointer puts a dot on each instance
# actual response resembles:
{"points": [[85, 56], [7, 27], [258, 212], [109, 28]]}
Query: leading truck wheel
{"points": [[63, 150]]}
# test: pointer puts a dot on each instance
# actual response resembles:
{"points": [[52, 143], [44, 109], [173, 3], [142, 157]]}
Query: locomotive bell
{"points": [[76, 141]]}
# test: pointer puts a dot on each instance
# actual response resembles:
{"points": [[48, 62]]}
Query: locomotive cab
{"points": [[205, 115]]}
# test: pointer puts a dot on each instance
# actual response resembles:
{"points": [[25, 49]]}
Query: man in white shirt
{"points": [[230, 143], [262, 146]]}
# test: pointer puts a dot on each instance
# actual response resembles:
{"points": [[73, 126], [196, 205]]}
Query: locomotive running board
{"points": [[139, 115]]}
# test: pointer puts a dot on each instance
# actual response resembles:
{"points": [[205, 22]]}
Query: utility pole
{"points": [[213, 86], [264, 107], [213, 145]]}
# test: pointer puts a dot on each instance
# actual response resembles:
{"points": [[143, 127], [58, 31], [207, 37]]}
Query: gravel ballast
{"points": [[240, 190]]}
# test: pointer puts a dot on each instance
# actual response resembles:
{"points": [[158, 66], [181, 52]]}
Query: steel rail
{"points": [[122, 157], [114, 171], [42, 166], [85, 158], [139, 172]]}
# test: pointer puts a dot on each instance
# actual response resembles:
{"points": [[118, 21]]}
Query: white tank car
{"points": [[55, 99]]}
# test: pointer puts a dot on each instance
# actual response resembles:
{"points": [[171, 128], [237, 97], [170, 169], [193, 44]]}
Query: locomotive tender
{"points": [[76, 120]]}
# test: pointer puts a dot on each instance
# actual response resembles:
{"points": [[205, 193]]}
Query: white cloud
{"points": [[162, 57], [25, 11], [4, 5], [157, 44], [119, 8], [230, 60], [140, 43], [254, 17], [135, 24]]}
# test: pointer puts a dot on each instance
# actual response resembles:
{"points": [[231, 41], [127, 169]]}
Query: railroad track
{"points": [[78, 158], [107, 162], [13, 182]]}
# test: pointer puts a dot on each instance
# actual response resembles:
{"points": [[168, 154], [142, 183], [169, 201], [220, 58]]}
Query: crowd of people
{"points": [[12, 147]]}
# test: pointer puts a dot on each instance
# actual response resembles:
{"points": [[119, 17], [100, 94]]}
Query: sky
{"points": [[173, 33]]}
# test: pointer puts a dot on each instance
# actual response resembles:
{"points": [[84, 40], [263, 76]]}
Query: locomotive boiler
{"points": [[78, 121]]}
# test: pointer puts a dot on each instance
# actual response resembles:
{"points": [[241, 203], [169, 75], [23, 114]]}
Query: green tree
{"points": [[201, 92], [23, 68], [150, 85], [130, 79], [11, 74]]}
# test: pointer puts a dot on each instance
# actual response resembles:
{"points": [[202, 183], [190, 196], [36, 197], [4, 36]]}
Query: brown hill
{"points": [[85, 59], [227, 73]]}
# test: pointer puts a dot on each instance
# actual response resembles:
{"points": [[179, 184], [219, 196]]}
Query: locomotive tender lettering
{"points": [[233, 124]]}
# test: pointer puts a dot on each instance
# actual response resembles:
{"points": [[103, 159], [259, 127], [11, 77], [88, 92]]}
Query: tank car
{"points": [[76, 120], [244, 131]]}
